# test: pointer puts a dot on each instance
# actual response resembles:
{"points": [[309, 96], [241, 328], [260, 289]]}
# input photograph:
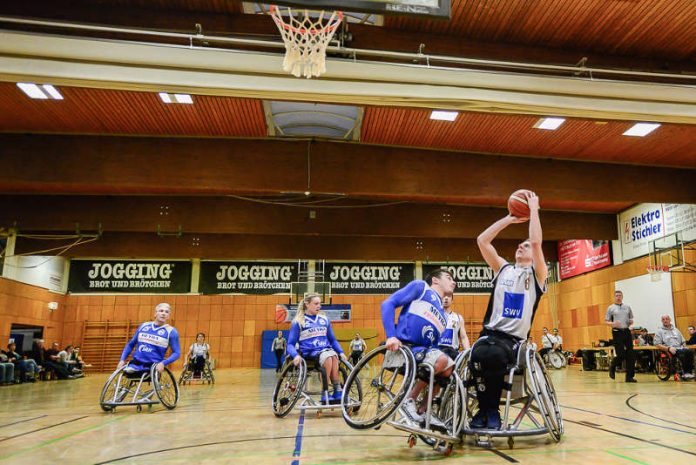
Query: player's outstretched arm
{"points": [[403, 296], [485, 241], [535, 238]]}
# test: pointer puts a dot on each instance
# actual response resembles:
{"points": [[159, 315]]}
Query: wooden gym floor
{"points": [[60, 422]]}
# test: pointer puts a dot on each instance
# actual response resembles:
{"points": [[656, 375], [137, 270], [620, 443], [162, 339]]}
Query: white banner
{"points": [[649, 221]]}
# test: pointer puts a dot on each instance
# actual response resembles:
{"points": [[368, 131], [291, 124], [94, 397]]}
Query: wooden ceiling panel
{"points": [[101, 111], [643, 28], [669, 145], [208, 6]]}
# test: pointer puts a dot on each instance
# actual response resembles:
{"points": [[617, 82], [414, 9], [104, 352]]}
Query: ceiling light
{"points": [[641, 129], [550, 124], [43, 92], [176, 98], [52, 91], [444, 115], [183, 98]]}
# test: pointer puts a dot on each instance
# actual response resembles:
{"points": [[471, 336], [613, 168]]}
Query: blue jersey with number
{"points": [[422, 320], [313, 336], [151, 342]]}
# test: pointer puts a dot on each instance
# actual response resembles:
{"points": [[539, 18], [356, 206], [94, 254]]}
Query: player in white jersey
{"points": [[198, 353], [514, 300], [455, 335]]}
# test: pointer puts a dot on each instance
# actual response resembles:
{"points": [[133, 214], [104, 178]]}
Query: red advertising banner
{"points": [[580, 256]]}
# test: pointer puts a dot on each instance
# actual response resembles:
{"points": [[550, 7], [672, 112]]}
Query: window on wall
{"points": [[25, 335]]}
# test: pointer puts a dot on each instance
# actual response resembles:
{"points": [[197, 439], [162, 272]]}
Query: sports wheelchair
{"points": [[188, 375], [385, 379], [148, 387], [304, 382], [555, 359], [530, 393], [668, 365]]}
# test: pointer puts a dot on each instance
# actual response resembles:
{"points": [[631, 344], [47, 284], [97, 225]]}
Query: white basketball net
{"points": [[306, 34]]}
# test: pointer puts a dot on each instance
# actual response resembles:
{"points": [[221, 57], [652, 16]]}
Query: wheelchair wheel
{"points": [[545, 395], [184, 375], [663, 366], [355, 395], [449, 409], [385, 378], [108, 392], [209, 371], [470, 398], [555, 360], [165, 385], [289, 387]]}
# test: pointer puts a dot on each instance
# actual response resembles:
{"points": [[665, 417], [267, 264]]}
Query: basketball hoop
{"points": [[656, 272], [306, 34]]}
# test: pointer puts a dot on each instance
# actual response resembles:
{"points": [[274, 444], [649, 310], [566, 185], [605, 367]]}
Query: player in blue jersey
{"points": [[312, 332], [516, 293], [421, 323], [151, 341]]}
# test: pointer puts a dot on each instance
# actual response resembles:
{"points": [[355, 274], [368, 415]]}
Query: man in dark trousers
{"points": [[278, 347], [620, 317]]}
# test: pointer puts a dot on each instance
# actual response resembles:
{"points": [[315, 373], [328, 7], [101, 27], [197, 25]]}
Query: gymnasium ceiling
{"points": [[233, 167]]}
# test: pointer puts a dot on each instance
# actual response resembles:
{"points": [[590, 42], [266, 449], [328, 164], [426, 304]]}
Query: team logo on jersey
{"points": [[143, 348], [321, 320], [428, 333], [513, 305], [161, 332]]}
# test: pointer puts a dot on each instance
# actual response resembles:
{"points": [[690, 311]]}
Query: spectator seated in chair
{"points": [[669, 339], [692, 335], [6, 370], [27, 368], [51, 360], [67, 361]]}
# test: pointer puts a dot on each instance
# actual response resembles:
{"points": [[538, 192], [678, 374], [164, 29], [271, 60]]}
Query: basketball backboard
{"points": [[426, 8], [668, 252]]}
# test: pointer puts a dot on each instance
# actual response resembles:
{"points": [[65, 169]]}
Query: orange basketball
{"points": [[280, 314], [517, 204]]}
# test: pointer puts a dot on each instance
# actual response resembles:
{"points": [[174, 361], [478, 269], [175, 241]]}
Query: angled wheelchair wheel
{"points": [[355, 395], [185, 375], [289, 387], [209, 373], [449, 409], [541, 386], [470, 398], [555, 360], [114, 390], [385, 378], [165, 386], [663, 366]]}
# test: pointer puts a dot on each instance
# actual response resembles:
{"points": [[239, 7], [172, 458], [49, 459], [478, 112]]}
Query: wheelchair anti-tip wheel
{"points": [[385, 378], [288, 387]]}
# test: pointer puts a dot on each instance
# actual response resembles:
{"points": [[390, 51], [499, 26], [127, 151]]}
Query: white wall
{"points": [[649, 300]]}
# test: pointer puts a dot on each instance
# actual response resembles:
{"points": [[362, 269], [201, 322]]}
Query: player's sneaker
{"points": [[409, 409]]}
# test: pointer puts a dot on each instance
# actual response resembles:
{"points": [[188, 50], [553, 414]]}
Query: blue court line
{"points": [[298, 439], [631, 420]]}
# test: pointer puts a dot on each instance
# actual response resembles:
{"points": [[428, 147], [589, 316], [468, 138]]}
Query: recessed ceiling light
{"points": [[183, 98], [176, 98], [444, 115], [641, 129], [550, 124], [43, 92]]}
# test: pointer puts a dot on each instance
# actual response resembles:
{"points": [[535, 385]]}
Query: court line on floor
{"points": [[625, 457], [628, 403], [630, 420], [649, 441], [41, 429], [60, 438], [298, 439], [235, 441], [23, 421]]}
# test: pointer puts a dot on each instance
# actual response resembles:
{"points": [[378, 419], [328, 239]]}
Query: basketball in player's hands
{"points": [[517, 203]]}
